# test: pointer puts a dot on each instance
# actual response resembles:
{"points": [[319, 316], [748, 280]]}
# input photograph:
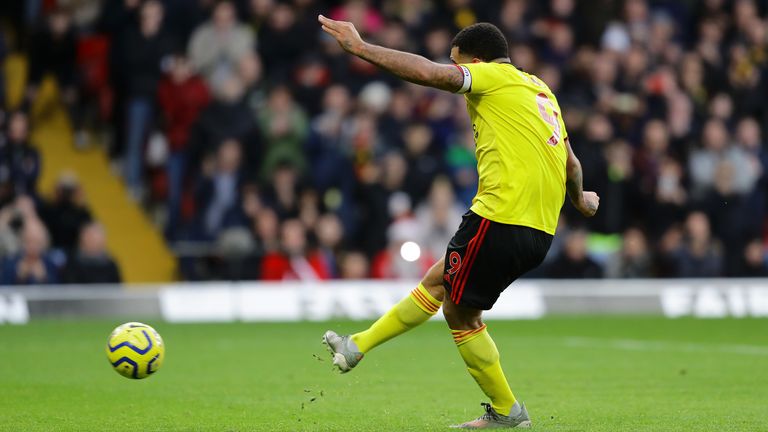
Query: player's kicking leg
{"points": [[418, 307]]}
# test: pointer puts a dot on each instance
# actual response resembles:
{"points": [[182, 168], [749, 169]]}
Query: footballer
{"points": [[525, 166]]}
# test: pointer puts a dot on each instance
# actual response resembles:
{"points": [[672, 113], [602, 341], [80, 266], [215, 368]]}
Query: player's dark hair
{"points": [[482, 40]]}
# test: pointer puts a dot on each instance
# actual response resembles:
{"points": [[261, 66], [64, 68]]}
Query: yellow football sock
{"points": [[413, 310], [482, 359]]}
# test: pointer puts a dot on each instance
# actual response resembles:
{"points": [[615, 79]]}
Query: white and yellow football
{"points": [[135, 350]]}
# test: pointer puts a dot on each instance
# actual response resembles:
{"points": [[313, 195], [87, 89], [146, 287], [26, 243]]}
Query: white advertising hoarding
{"points": [[13, 309], [710, 300], [316, 302]]}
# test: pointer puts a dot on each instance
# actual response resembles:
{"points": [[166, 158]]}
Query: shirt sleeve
{"points": [[477, 79]]}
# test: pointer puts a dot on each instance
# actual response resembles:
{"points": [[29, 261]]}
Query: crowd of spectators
{"points": [[274, 155], [45, 241]]}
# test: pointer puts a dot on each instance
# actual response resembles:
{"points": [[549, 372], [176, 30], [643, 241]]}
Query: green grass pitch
{"points": [[575, 374]]}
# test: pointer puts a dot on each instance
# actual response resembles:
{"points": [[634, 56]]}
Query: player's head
{"points": [[481, 42]]}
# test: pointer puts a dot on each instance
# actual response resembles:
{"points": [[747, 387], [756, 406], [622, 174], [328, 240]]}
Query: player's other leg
{"points": [[482, 359], [485, 257], [419, 306]]}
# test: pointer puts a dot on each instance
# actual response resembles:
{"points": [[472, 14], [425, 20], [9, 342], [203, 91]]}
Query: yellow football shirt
{"points": [[520, 149]]}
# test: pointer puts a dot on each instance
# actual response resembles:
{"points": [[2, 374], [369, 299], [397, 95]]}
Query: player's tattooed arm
{"points": [[410, 67], [585, 202], [414, 68]]}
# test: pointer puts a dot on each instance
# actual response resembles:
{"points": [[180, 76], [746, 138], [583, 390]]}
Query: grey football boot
{"points": [[493, 420], [344, 351]]}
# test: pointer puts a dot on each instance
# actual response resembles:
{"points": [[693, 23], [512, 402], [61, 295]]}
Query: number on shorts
{"points": [[454, 261]]}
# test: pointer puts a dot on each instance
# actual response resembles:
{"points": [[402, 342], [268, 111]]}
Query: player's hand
{"points": [[344, 32], [589, 204]]}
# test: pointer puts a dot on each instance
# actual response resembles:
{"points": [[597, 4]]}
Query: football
{"points": [[135, 350]]}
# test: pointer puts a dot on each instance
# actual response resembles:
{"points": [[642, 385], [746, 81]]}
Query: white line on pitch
{"points": [[647, 345]]}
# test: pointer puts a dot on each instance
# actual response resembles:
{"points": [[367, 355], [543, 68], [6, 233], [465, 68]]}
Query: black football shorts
{"points": [[485, 257]]}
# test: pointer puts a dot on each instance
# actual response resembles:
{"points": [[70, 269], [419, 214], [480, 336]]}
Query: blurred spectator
{"points": [[116, 20], [19, 161], [374, 98], [3, 54], [66, 214], [378, 181], [85, 13], [181, 95], [726, 209], [422, 165], [749, 137], [354, 265], [295, 261], [116, 15], [360, 12], [332, 171], [309, 207], [12, 218], [227, 117], [281, 40], [754, 261], [634, 258], [437, 43], [283, 194], [267, 231], [33, 265], [670, 195], [649, 158], [398, 115], [219, 190], [52, 51], [439, 216], [617, 188], [236, 257], [140, 53], [574, 261], [258, 12], [560, 46], [252, 202], [217, 46], [330, 233], [460, 159], [312, 77], [91, 264], [700, 255], [665, 258], [284, 128], [717, 150], [633, 27], [250, 70]]}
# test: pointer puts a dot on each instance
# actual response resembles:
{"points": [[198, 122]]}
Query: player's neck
{"points": [[501, 60]]}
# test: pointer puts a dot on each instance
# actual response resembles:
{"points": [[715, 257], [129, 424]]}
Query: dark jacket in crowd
{"points": [[20, 166], [54, 55], [219, 121], [64, 220], [140, 62], [83, 269]]}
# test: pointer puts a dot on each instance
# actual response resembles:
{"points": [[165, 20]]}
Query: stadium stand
{"points": [[263, 152]]}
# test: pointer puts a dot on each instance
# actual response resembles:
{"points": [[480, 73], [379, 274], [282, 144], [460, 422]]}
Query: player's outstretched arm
{"points": [[410, 67], [585, 202]]}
